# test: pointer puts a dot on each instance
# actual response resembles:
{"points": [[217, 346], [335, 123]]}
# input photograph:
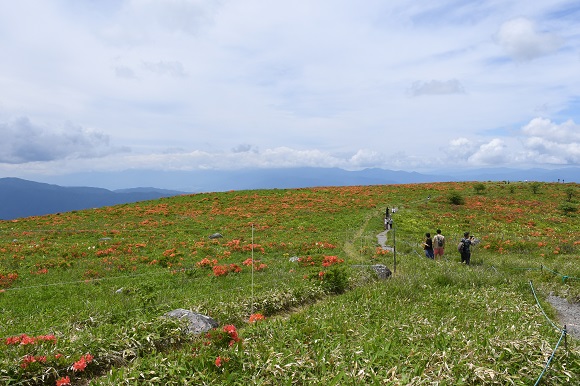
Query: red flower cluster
{"points": [[323, 244], [233, 244], [81, 364], [170, 252], [230, 329], [306, 261], [380, 251], [105, 252], [256, 317], [206, 262], [258, 266], [223, 270], [255, 247], [25, 339], [65, 381], [6, 280], [29, 359], [219, 361], [227, 336], [330, 260]]}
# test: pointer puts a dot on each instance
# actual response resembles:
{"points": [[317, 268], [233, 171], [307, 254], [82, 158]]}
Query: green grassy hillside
{"points": [[83, 294]]}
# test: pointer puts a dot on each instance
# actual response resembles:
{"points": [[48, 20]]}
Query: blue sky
{"points": [[190, 84]]}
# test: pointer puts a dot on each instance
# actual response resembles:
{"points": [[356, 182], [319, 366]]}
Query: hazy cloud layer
{"points": [[189, 84], [24, 142], [437, 87]]}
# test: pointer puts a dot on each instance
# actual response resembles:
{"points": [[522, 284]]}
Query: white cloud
{"points": [[549, 142], [366, 158], [491, 153], [460, 149], [523, 42], [539, 142], [566, 133]]}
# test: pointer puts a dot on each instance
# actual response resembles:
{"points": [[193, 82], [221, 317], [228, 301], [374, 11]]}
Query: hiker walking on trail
{"points": [[428, 246], [464, 248], [438, 245]]}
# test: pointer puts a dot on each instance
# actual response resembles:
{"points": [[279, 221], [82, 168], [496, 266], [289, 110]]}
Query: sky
{"points": [[111, 85]]}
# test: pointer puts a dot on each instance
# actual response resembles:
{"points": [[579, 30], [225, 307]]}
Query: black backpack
{"points": [[439, 241]]}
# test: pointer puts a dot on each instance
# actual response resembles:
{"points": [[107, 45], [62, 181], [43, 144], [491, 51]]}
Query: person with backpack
{"points": [[464, 248], [428, 246], [438, 245]]}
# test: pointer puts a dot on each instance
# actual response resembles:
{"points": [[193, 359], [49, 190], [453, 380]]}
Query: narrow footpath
{"points": [[382, 241]]}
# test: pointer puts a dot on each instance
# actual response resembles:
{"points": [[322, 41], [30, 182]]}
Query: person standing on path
{"points": [[465, 250], [428, 246], [438, 245]]}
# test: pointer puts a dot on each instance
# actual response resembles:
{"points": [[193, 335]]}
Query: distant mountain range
{"points": [[23, 198]]}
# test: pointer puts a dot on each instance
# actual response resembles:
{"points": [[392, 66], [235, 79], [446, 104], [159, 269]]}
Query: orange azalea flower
{"points": [[220, 270], [232, 332], [330, 260], [256, 317], [88, 358], [28, 359], [63, 381], [205, 262], [25, 339], [80, 365]]}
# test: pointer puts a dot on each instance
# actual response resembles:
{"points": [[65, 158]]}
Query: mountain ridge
{"points": [[24, 198]]}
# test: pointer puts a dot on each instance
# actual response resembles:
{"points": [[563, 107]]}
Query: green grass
{"points": [[100, 281]]}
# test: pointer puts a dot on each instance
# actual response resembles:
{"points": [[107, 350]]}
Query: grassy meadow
{"points": [[83, 294]]}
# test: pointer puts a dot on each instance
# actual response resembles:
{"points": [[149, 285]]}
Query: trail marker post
{"points": [[394, 229]]}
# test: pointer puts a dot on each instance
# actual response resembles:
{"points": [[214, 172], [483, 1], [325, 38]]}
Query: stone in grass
{"points": [[215, 236], [382, 271], [196, 323]]}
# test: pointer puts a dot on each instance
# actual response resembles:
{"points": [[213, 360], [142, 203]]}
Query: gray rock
{"points": [[382, 271], [196, 323], [216, 236]]}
